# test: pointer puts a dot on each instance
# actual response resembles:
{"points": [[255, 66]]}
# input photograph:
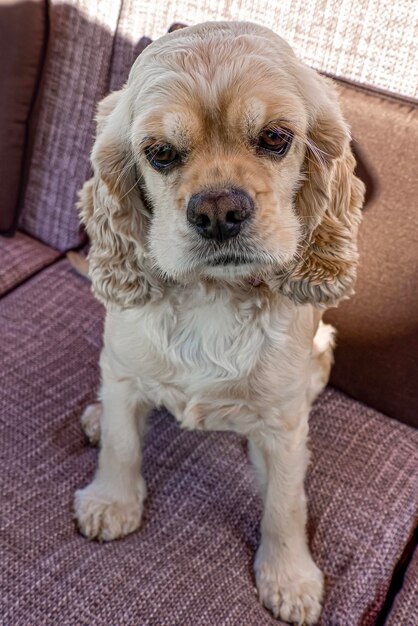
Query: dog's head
{"points": [[222, 158]]}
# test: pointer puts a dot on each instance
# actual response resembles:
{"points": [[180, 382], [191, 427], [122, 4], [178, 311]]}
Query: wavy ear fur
{"points": [[329, 204], [113, 212]]}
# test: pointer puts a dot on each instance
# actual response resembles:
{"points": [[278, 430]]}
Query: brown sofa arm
{"points": [[377, 351]]}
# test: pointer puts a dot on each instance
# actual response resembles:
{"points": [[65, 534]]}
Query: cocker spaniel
{"points": [[223, 216]]}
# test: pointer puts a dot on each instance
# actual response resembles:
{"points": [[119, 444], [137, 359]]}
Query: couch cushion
{"points": [[22, 39], [21, 257], [75, 78], [191, 563], [405, 607], [377, 355]]}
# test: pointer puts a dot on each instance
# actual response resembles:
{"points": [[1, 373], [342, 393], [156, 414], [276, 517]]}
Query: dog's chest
{"points": [[194, 344]]}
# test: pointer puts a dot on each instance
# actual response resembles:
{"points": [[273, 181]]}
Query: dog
{"points": [[223, 215]]}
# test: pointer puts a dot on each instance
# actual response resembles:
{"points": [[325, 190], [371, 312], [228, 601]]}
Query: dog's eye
{"points": [[162, 156], [277, 140]]}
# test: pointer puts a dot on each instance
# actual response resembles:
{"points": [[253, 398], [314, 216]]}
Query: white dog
{"points": [[223, 217]]}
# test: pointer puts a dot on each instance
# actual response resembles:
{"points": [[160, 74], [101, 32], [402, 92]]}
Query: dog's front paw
{"points": [[292, 593], [102, 515]]}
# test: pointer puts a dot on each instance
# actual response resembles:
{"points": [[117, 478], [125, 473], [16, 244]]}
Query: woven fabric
{"points": [[74, 79], [126, 51], [371, 41], [191, 562], [20, 258], [405, 607], [356, 478]]}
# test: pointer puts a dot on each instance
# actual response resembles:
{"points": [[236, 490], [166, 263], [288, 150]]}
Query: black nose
{"points": [[219, 214]]}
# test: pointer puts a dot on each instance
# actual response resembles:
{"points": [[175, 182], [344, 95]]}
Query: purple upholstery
{"points": [[191, 563], [124, 55], [75, 78], [405, 607], [22, 41], [20, 258]]}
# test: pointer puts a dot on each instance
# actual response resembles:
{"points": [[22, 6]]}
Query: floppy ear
{"points": [[114, 214], [329, 205]]}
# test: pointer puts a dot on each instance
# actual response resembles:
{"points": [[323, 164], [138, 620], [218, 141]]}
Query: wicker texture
{"points": [[191, 563], [75, 78], [405, 607], [371, 41], [20, 258]]}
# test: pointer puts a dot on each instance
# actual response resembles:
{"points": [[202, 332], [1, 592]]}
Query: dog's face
{"points": [[236, 146], [219, 141]]}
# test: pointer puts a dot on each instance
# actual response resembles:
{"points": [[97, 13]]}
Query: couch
{"points": [[191, 562]]}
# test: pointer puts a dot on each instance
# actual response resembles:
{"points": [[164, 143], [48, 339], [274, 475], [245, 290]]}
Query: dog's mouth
{"points": [[228, 259], [231, 266], [240, 259], [230, 256]]}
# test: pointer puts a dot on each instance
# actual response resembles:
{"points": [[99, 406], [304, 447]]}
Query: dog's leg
{"points": [[321, 360], [111, 506], [90, 422], [289, 583]]}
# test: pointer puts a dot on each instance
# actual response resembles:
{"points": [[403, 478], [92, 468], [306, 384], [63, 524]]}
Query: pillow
{"points": [[22, 45]]}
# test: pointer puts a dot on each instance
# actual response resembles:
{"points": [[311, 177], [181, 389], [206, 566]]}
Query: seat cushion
{"points": [[191, 562], [405, 607], [20, 257]]}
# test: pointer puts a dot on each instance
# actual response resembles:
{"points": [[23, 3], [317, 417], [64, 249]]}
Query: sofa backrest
{"points": [[371, 43], [91, 46], [75, 78]]}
